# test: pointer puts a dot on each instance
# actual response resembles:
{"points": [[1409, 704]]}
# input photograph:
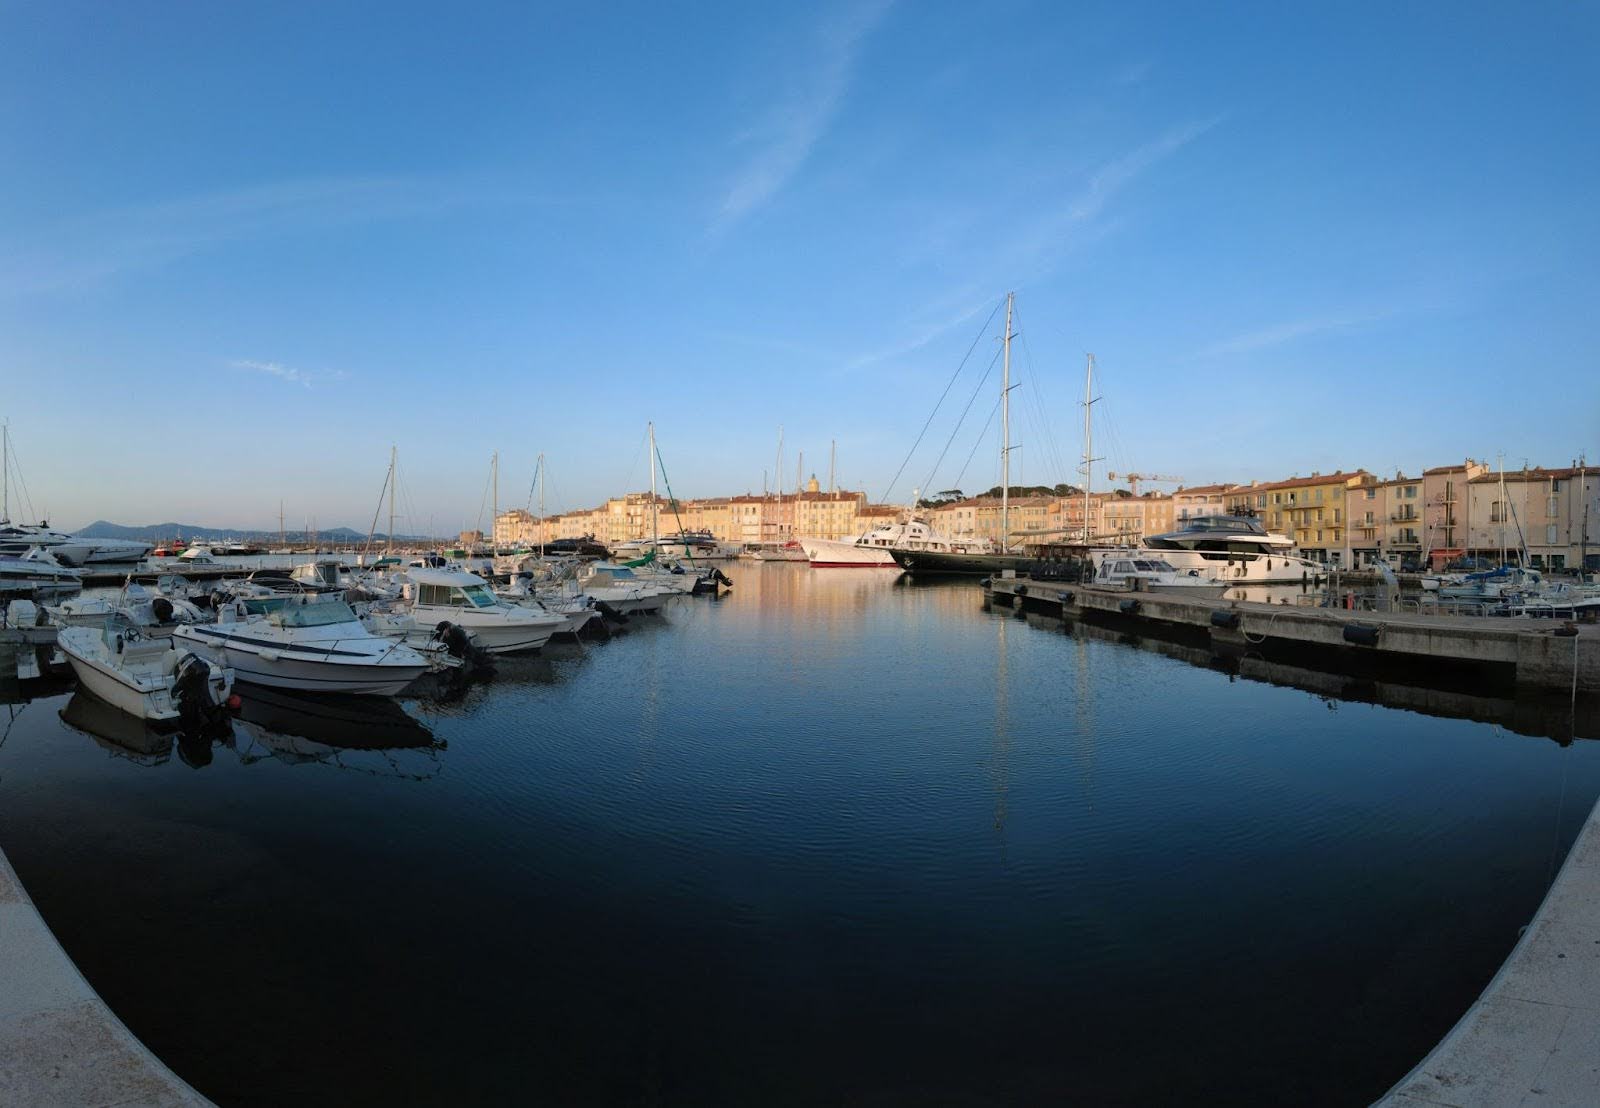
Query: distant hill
{"points": [[153, 532]]}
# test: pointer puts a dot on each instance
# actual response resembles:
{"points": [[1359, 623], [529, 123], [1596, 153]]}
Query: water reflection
{"points": [[369, 734], [115, 730], [1546, 715]]}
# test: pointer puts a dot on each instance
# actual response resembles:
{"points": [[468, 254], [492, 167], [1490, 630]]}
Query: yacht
{"points": [[145, 677], [1237, 550], [306, 643], [466, 600], [71, 550], [38, 574], [922, 548], [1147, 574], [868, 549]]}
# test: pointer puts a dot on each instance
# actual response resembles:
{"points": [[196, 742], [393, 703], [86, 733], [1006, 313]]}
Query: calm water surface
{"points": [[830, 839]]}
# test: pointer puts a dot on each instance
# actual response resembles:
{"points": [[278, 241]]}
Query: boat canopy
{"points": [[445, 577]]}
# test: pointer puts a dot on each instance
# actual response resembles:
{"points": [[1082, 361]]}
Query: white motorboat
{"points": [[146, 677], [465, 600], [305, 642], [38, 574], [1147, 574], [1236, 550], [619, 589], [155, 615], [576, 612], [1502, 582]]}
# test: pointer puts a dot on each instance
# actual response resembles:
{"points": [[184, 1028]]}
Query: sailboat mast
{"points": [[1503, 507], [1005, 434], [494, 502], [394, 453], [5, 472], [655, 537], [1088, 442], [541, 505]]}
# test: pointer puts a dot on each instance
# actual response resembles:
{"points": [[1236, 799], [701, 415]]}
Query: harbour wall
{"points": [[59, 1042]]}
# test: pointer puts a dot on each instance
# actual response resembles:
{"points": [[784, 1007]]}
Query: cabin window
{"points": [[438, 595]]}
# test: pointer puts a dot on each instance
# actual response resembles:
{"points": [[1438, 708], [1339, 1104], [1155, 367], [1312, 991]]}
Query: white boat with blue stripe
{"points": [[305, 642]]}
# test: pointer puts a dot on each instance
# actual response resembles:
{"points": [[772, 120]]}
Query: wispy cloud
{"points": [[1279, 334], [304, 378], [86, 250], [1051, 231], [785, 138]]}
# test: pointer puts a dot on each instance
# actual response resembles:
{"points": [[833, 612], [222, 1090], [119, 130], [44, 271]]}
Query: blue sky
{"points": [[245, 249]]}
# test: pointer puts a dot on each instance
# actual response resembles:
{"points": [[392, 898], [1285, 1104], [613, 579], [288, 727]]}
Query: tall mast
{"points": [[1005, 434], [655, 537], [394, 454], [281, 540], [5, 472], [541, 505], [1503, 507], [1088, 444], [494, 503]]}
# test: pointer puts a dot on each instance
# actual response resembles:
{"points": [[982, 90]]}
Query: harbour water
{"points": [[835, 837]]}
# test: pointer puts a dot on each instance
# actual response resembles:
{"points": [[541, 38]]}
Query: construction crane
{"points": [[1133, 479]]}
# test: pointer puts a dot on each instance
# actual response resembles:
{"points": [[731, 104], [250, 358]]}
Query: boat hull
{"points": [[832, 554], [939, 561], [154, 704], [306, 668]]}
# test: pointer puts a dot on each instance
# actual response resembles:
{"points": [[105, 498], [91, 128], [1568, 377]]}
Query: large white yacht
{"points": [[37, 574], [70, 550], [873, 548], [1238, 550]]}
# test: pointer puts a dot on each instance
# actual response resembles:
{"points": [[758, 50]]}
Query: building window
{"points": [[1372, 494], [1550, 534], [1411, 492]]}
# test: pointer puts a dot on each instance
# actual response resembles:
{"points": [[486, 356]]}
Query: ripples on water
{"points": [[835, 837]]}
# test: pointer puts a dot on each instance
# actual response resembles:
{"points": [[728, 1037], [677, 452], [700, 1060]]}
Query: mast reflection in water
{"points": [[832, 837]]}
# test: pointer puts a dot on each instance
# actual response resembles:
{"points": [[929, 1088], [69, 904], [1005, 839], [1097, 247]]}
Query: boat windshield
{"points": [[479, 596], [1237, 524], [320, 613]]}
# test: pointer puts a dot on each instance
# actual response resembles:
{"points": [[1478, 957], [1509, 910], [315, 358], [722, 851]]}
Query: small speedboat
{"points": [[618, 588], [309, 643], [1138, 570], [146, 677], [465, 600]]}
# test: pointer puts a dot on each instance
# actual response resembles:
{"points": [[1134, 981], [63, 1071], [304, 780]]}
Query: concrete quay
{"points": [[1534, 651], [1533, 1037], [59, 1043]]}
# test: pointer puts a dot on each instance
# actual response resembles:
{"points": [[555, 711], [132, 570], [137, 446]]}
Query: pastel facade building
{"points": [[1551, 514], [1201, 500], [1446, 504], [1313, 511]]}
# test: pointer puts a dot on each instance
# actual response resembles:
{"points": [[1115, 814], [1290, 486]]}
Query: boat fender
{"points": [[1066, 598], [1362, 634], [1022, 590], [1225, 619], [1129, 607]]}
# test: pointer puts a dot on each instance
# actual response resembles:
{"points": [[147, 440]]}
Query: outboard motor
{"points": [[161, 608], [198, 706]]}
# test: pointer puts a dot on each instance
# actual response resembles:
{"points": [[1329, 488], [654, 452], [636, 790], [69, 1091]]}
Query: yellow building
{"points": [[1313, 511], [1126, 520]]}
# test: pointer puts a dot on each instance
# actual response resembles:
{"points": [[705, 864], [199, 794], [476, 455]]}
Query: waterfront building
{"points": [[1552, 514], [828, 515], [1445, 503], [1200, 500], [1386, 520], [1313, 511], [981, 517], [1126, 520]]}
